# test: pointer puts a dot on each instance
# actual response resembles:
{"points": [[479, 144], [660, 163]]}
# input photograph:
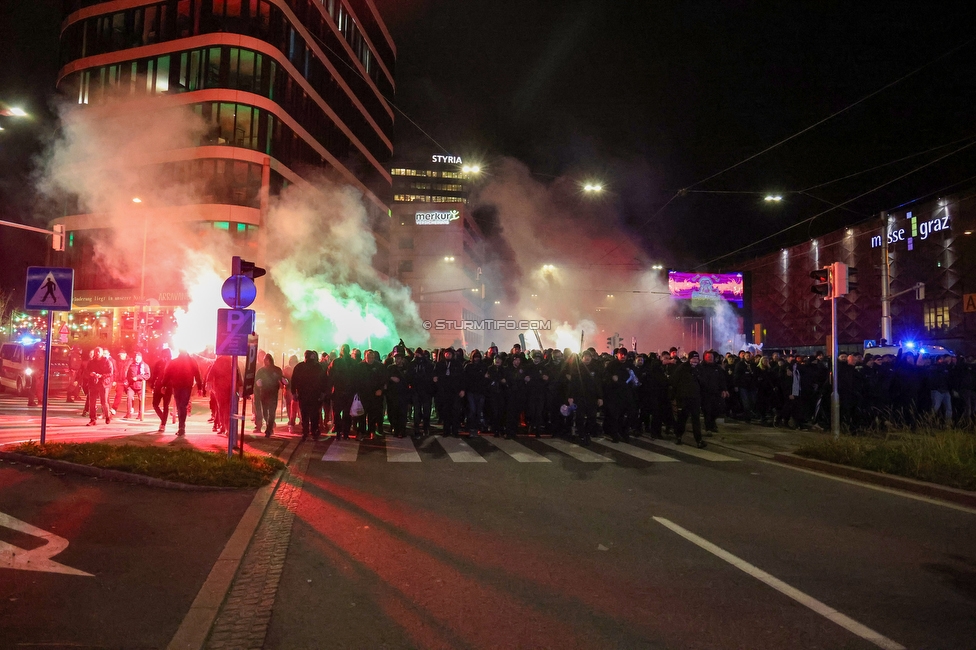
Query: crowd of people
{"points": [[552, 392]]}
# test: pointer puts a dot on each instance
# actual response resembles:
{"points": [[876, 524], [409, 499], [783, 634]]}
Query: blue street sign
{"points": [[49, 288], [233, 328], [238, 291]]}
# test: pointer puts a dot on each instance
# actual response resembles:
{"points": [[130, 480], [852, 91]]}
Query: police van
{"points": [[21, 363]]}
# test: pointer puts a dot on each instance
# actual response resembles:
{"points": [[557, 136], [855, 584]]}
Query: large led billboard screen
{"points": [[700, 287]]}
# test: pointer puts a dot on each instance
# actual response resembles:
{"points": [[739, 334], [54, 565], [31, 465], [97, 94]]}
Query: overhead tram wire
{"points": [[839, 205], [897, 81]]}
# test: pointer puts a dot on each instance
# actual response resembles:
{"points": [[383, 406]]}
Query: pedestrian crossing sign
{"points": [[49, 288]]}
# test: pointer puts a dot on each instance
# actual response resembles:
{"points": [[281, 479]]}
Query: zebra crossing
{"points": [[480, 450]]}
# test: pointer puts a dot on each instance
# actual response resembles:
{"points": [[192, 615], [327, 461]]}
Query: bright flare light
{"points": [[18, 112], [196, 327], [136, 200], [773, 198]]}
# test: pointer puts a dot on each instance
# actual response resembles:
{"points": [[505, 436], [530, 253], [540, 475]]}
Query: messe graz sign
{"points": [[913, 228], [437, 217]]}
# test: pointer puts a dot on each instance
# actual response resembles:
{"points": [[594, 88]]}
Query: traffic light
{"points": [[844, 279], [57, 241], [245, 268], [822, 285], [838, 272]]}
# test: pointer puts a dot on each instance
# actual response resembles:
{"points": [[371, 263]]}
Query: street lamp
{"points": [[471, 169], [449, 258], [593, 188], [142, 299], [13, 112], [657, 267], [773, 198]]}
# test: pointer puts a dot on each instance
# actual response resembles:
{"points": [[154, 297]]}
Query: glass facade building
{"points": [[285, 89]]}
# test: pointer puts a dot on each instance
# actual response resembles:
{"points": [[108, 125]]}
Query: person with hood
{"points": [[307, 388], [517, 379], [449, 377], [714, 391], [586, 394], [420, 375], [371, 393], [475, 386], [687, 393], [342, 377], [101, 373], [180, 376], [267, 384]]}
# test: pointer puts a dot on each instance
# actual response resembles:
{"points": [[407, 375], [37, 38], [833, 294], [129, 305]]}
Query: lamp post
{"points": [[142, 299]]}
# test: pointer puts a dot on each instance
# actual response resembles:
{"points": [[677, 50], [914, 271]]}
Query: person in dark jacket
{"points": [[687, 392], [713, 382], [616, 393], [374, 380], [180, 376], [496, 384], [161, 393], [267, 385], [517, 380], [475, 387], [449, 377], [397, 393], [342, 376], [420, 376], [746, 384], [101, 374], [136, 375], [586, 394], [307, 387]]}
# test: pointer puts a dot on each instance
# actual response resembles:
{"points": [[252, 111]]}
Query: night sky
{"points": [[648, 97]]}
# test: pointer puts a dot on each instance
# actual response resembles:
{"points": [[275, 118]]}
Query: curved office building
{"points": [[285, 88]]}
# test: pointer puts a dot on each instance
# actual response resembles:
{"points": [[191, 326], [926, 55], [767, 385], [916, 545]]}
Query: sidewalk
{"points": [[752, 438]]}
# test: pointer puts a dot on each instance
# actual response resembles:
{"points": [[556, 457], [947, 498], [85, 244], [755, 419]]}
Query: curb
{"points": [[742, 450], [933, 490], [195, 628], [111, 474]]}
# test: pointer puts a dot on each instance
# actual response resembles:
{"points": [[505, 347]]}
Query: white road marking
{"points": [[342, 450], [577, 452], [401, 450], [637, 452], [872, 486], [827, 612], [519, 452], [691, 450], [36, 559], [460, 451]]}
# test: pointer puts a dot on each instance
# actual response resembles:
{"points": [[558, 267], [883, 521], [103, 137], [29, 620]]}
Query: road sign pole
{"points": [[232, 425], [47, 375], [834, 395]]}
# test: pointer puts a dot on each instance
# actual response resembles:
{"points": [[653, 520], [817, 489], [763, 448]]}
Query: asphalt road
{"points": [[147, 550], [567, 554], [444, 545]]}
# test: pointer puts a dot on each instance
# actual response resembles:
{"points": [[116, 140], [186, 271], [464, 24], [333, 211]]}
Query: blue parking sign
{"points": [[233, 328]]}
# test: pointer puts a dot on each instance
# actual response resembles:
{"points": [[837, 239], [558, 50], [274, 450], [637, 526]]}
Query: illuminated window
{"points": [[221, 225], [937, 315]]}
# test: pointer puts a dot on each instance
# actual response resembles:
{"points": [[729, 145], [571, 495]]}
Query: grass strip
{"points": [[944, 457], [189, 466]]}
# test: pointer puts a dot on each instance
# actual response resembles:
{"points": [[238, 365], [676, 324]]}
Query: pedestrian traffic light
{"points": [[57, 241], [247, 269], [822, 285]]}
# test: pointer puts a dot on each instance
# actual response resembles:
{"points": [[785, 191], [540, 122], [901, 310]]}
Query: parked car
{"points": [[21, 363]]}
